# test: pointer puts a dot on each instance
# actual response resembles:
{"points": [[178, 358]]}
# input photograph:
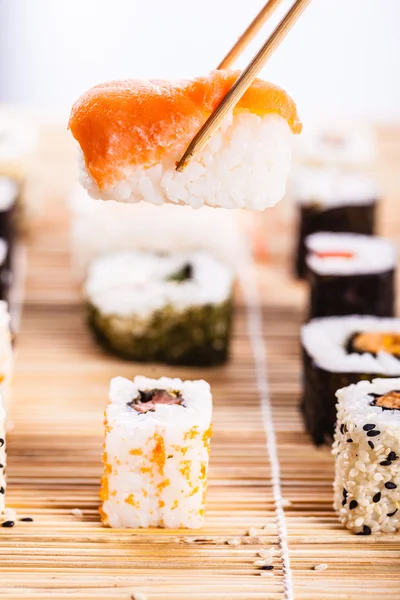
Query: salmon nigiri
{"points": [[132, 132]]}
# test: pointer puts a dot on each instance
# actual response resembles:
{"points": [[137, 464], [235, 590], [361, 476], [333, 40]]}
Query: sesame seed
{"points": [[373, 433], [358, 522], [350, 440], [252, 532], [377, 497], [8, 524], [392, 456], [77, 512], [2, 490], [234, 542], [371, 445], [369, 426], [392, 513], [389, 485], [138, 596], [353, 504], [378, 477], [188, 540], [360, 466], [1, 442], [27, 519], [385, 463], [263, 563], [320, 567], [366, 530], [267, 568], [267, 553]]}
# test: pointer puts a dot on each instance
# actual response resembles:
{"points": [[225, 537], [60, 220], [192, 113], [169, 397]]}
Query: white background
{"points": [[342, 58]]}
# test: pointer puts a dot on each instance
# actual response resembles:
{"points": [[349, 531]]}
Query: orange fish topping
{"points": [[334, 254], [121, 125]]}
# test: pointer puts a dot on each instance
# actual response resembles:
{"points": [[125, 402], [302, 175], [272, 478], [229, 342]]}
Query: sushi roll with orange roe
{"points": [[131, 134]]}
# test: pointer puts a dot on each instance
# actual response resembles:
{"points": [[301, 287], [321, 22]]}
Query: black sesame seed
{"points": [[1, 466], [389, 485], [8, 524], [392, 513], [392, 456], [377, 497], [27, 519], [373, 433], [344, 493], [371, 445], [1, 442], [2, 490], [385, 463], [342, 428], [367, 530], [349, 440], [353, 504], [267, 567], [369, 426]]}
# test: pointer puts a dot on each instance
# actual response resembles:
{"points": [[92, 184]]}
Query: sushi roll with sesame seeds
{"points": [[175, 309], [367, 451], [328, 199], [156, 452], [339, 351], [350, 274]]}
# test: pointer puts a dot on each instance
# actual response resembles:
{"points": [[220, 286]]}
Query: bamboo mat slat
{"points": [[54, 446]]}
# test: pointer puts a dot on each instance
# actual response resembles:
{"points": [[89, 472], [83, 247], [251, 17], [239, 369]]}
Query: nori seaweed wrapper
{"points": [[197, 336], [339, 219], [318, 403], [364, 294]]}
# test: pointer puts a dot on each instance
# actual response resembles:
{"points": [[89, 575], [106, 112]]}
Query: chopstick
{"points": [[249, 34], [242, 83]]}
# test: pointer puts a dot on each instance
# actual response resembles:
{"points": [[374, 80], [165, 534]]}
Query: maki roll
{"points": [[132, 133], [350, 274], [175, 309], [339, 351], [330, 200], [5, 271], [346, 146], [9, 197], [367, 451], [156, 452]]}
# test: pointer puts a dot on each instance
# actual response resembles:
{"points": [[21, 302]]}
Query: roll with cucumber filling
{"points": [[175, 309]]}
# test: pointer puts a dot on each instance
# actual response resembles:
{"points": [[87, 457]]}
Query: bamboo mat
{"points": [[60, 391]]}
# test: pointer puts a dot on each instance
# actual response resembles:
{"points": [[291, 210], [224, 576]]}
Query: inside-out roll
{"points": [[175, 309], [367, 450], [350, 274], [132, 133], [156, 453], [335, 356], [328, 199]]}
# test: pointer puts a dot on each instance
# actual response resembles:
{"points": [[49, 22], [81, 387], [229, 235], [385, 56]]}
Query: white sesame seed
{"points": [[234, 542], [353, 472], [359, 521], [252, 532], [138, 596], [320, 567], [188, 540], [77, 512], [267, 573], [264, 562], [266, 553], [378, 477], [360, 466]]}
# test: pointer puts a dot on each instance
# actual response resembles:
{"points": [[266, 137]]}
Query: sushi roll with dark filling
{"points": [[350, 274], [330, 200], [367, 450], [175, 309], [9, 195], [339, 351]]}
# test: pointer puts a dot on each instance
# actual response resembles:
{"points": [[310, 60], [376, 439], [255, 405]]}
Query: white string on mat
{"points": [[249, 287]]}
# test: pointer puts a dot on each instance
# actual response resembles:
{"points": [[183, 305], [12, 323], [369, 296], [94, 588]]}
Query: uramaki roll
{"points": [[156, 453]]}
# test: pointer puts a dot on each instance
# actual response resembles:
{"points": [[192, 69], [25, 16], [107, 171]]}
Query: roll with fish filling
{"points": [[131, 134], [350, 274], [339, 351], [367, 451], [2, 456], [156, 453], [175, 309], [328, 199]]}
